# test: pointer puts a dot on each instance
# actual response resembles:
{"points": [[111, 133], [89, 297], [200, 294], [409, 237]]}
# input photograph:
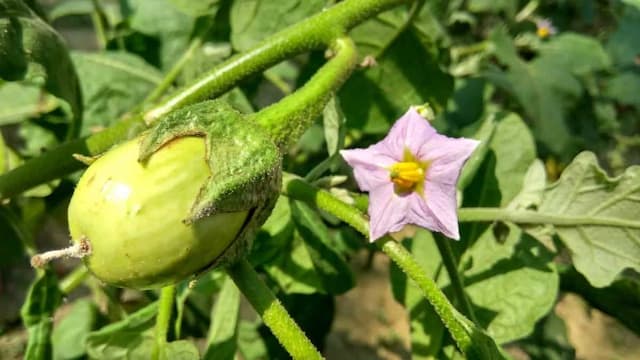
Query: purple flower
{"points": [[411, 177], [545, 28]]}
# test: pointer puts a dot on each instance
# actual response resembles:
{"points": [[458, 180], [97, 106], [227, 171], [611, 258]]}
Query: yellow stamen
{"points": [[543, 32], [406, 175]]}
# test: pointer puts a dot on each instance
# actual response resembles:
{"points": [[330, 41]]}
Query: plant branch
{"points": [[287, 119], [534, 217], [450, 263], [298, 189], [315, 32], [167, 298], [274, 315]]}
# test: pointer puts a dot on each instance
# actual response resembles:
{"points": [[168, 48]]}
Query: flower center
{"points": [[408, 175], [543, 32]]}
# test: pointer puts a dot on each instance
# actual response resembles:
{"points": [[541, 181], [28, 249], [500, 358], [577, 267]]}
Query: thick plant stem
{"points": [[274, 315], [287, 119], [165, 308], [74, 279], [430, 290], [315, 32], [450, 263], [296, 188]]}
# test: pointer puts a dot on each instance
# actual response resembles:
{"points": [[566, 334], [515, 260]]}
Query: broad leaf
{"points": [[511, 281], [603, 229], [624, 43], [254, 20], [112, 83], [576, 53], [131, 338], [544, 87], [406, 74], [32, 52], [37, 315], [624, 87], [223, 332], [70, 334], [19, 102], [333, 270], [333, 121], [181, 350], [166, 21]]}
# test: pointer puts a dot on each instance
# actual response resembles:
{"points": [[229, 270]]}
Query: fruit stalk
{"points": [[274, 315]]}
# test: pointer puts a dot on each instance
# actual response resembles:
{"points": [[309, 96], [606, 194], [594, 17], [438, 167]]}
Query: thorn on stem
{"points": [[78, 250]]}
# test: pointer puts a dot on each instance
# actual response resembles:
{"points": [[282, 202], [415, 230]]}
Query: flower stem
{"points": [[298, 189], [274, 315], [450, 263], [430, 290], [315, 32], [167, 298]]}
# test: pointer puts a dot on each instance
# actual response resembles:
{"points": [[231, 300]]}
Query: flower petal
{"points": [[441, 200], [387, 211], [409, 132], [446, 157], [369, 167]]}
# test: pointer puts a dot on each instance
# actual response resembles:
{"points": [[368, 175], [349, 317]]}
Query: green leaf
{"points": [[508, 6], [406, 74], [19, 102], [131, 338], [254, 20], [577, 53], [32, 52], [166, 21], [112, 83], [543, 87], [608, 239], [624, 43], [70, 334], [251, 345], [223, 332], [333, 121], [500, 178], [181, 350], [43, 298], [624, 87], [333, 270], [275, 234], [511, 281], [70, 7], [197, 8], [373, 36]]}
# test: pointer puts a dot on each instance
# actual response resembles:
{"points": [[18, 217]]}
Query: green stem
{"points": [[167, 298], [450, 263], [430, 290], [98, 17], [298, 189], [274, 315], [287, 119], [534, 217], [314, 32], [74, 279]]}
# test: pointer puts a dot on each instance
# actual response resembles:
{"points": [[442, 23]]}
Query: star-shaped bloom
{"points": [[545, 28], [411, 177]]}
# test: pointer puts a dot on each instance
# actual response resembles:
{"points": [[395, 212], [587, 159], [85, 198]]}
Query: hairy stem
{"points": [[450, 263], [287, 119], [315, 32], [298, 189], [167, 298], [274, 315]]}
